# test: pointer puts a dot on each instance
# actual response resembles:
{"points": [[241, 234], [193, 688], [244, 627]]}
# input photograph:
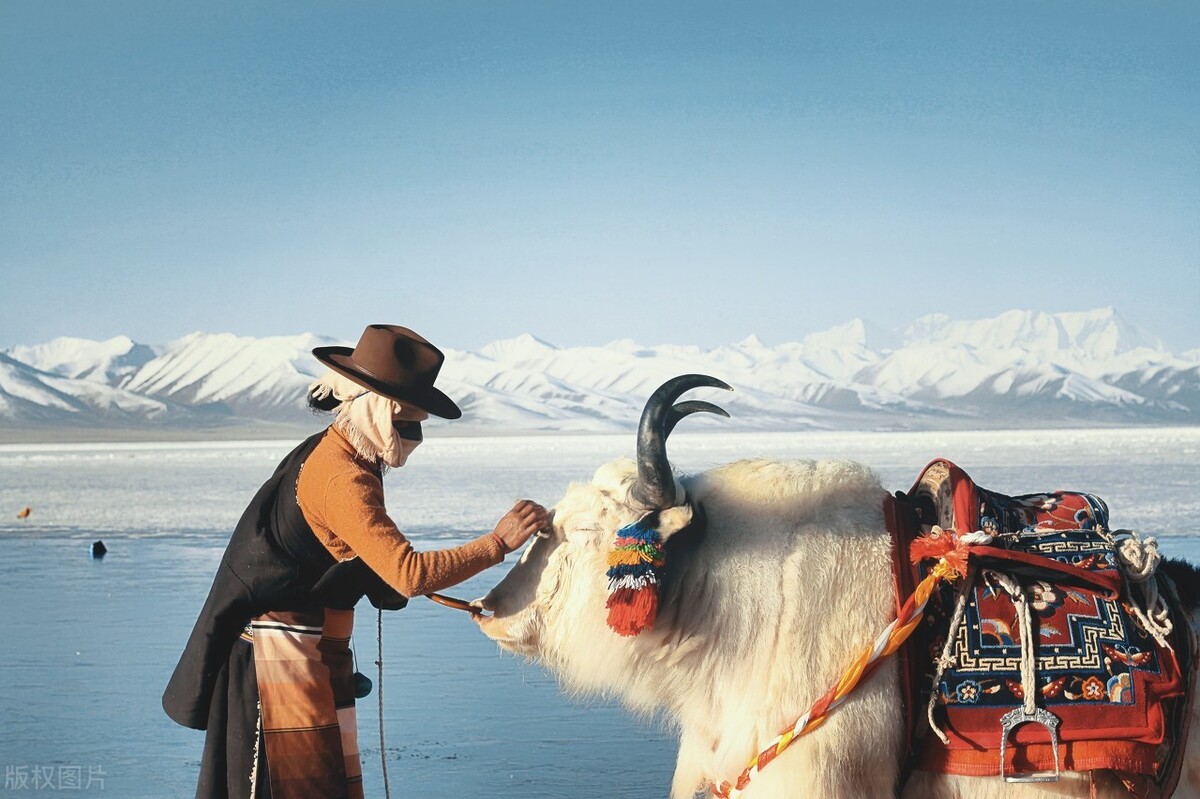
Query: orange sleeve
{"points": [[353, 510]]}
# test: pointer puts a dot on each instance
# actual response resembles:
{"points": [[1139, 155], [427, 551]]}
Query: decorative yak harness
{"points": [[1103, 674], [1099, 681]]}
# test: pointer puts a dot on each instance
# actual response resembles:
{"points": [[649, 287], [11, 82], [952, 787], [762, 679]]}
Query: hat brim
{"points": [[431, 399]]}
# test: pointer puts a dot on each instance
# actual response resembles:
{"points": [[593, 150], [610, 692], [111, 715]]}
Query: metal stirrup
{"points": [[1029, 711]]}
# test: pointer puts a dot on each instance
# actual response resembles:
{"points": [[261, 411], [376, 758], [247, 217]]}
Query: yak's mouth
{"points": [[517, 638], [508, 636]]}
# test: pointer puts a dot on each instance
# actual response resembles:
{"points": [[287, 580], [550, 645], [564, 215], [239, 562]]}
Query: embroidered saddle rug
{"points": [[1118, 694]]}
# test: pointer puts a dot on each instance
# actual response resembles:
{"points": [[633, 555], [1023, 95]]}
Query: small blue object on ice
{"points": [[98, 549]]}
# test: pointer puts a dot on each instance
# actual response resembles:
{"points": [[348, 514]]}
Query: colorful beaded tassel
{"points": [[634, 574]]}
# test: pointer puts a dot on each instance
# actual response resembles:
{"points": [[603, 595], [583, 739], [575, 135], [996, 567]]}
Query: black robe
{"points": [[273, 561]]}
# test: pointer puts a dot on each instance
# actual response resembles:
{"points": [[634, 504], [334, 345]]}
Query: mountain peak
{"points": [[522, 347], [845, 336], [752, 342], [98, 361], [1104, 333], [1096, 334]]}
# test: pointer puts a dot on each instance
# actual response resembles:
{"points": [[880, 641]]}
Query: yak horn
{"points": [[682, 409], [655, 487]]}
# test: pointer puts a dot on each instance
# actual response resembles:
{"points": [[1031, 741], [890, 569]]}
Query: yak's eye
{"points": [[585, 533]]}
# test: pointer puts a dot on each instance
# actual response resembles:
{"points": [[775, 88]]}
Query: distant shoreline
{"points": [[150, 435], [253, 433], [262, 432]]}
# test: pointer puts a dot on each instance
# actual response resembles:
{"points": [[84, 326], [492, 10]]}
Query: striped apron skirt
{"points": [[288, 730]]}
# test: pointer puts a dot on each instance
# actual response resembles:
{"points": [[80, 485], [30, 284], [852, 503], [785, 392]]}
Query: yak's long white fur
{"points": [[762, 613]]}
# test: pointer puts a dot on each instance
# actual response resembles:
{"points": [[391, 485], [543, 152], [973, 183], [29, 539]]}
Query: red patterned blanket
{"points": [[1118, 694]]}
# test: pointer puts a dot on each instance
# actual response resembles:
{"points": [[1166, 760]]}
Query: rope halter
{"points": [[952, 551]]}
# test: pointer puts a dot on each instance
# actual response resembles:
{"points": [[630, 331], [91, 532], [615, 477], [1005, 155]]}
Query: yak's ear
{"points": [[635, 567], [671, 520]]}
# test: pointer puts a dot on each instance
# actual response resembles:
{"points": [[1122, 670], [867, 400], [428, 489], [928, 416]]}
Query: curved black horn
{"points": [[682, 409], [655, 487]]}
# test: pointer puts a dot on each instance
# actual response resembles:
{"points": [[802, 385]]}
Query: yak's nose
{"points": [[485, 604]]}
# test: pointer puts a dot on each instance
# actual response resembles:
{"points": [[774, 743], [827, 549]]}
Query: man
{"points": [[268, 670]]}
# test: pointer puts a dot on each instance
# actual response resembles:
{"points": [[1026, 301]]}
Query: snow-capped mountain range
{"points": [[1022, 368]]}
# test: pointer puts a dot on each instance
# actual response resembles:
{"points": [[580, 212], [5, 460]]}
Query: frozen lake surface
{"points": [[89, 644]]}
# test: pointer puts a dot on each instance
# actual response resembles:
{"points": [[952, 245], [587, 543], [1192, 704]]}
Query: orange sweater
{"points": [[342, 501]]}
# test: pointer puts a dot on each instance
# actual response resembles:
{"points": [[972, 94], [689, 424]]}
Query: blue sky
{"points": [[687, 172]]}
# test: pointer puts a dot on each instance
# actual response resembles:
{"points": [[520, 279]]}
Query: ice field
{"points": [[89, 644]]}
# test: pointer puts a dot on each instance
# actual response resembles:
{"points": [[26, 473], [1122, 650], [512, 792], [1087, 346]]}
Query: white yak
{"points": [[763, 606]]}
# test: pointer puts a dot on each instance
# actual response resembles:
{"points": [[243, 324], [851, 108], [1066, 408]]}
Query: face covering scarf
{"points": [[370, 417]]}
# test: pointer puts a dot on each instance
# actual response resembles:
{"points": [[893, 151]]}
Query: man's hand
{"points": [[525, 519]]}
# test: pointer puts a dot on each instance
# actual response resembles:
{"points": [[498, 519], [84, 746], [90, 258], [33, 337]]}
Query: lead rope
{"points": [[387, 791]]}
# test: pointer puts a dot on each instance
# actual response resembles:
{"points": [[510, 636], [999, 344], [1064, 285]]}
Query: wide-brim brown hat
{"points": [[395, 362]]}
